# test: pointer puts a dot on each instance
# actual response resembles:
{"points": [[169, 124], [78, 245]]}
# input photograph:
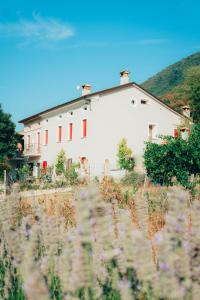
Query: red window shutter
{"points": [[84, 128], [60, 134], [176, 133], [46, 137], [70, 131], [44, 164]]}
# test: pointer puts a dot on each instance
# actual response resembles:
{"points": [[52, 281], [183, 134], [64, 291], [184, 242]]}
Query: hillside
{"points": [[169, 84]]}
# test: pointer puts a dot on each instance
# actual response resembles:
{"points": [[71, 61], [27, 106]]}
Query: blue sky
{"points": [[48, 48]]}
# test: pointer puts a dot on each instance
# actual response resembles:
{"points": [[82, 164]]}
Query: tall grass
{"points": [[147, 247]]}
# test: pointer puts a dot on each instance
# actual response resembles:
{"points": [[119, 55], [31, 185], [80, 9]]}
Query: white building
{"points": [[91, 126]]}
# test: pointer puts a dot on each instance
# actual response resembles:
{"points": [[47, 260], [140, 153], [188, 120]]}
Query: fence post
{"points": [[5, 181], [107, 169], [87, 169]]}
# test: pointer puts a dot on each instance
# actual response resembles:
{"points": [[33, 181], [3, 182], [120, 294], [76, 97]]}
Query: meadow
{"points": [[101, 241]]}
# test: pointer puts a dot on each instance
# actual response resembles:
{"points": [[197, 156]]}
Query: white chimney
{"points": [[186, 110], [86, 89], [124, 77]]}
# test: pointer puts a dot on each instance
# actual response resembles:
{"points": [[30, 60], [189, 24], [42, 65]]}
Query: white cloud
{"points": [[39, 29]]}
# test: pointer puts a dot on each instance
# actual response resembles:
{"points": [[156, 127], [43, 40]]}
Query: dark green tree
{"points": [[8, 141], [194, 146], [193, 92], [168, 161]]}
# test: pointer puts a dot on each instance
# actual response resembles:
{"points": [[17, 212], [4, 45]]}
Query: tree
{"points": [[60, 163], [7, 136], [175, 158], [172, 159], [125, 159], [194, 145], [8, 141], [193, 92]]}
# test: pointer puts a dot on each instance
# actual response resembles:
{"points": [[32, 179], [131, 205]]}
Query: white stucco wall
{"points": [[110, 117]]}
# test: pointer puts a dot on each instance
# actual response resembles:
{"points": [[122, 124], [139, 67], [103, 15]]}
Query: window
{"points": [[70, 131], [176, 133], [46, 137], [184, 132], [83, 160], [84, 128], [152, 132], [143, 101], [59, 134]]}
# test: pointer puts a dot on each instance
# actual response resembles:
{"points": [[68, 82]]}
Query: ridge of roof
{"points": [[74, 101], [35, 116]]}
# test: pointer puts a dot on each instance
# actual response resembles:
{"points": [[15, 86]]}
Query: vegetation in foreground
{"points": [[115, 249]]}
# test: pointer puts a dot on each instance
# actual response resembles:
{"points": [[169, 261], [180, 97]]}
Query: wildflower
{"points": [[27, 231], [124, 284], [83, 194], [178, 228], [158, 238], [163, 266], [186, 246]]}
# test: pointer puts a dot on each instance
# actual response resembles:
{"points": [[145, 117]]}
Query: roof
{"points": [[85, 97]]}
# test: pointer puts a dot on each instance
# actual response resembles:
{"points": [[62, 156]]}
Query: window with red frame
{"points": [[46, 137], [70, 131], [59, 134], [176, 133], [84, 128]]}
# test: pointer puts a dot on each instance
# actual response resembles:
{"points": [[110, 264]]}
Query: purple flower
{"points": [[163, 266], [158, 238], [124, 284], [79, 229], [178, 228], [187, 246], [83, 194]]}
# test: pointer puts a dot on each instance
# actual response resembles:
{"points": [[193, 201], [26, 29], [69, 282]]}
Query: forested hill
{"points": [[171, 84]]}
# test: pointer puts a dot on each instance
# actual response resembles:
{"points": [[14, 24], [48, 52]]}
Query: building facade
{"points": [[91, 126]]}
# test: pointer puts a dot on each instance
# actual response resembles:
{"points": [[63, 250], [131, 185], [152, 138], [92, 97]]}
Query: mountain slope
{"points": [[168, 80]]}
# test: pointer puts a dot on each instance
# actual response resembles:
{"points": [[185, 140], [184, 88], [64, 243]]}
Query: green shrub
{"points": [[71, 174], [23, 172], [46, 175], [125, 159], [133, 178], [3, 166], [60, 183], [60, 163], [168, 161], [194, 145]]}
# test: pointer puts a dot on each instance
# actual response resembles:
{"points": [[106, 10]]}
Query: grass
{"points": [[103, 241]]}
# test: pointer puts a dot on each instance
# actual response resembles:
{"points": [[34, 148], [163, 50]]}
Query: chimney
{"points": [[124, 77], [86, 89], [186, 110]]}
